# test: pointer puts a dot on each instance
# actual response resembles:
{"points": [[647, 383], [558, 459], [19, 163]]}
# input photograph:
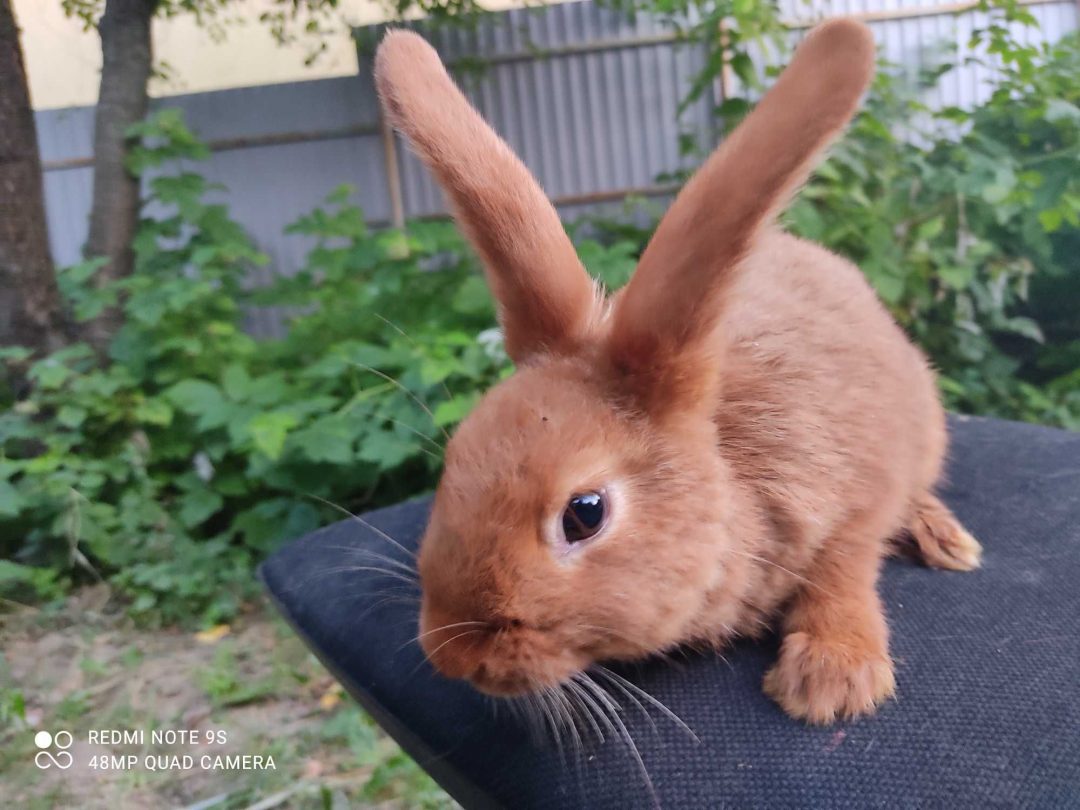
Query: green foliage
{"points": [[26, 581], [397, 774], [956, 217], [967, 222], [725, 29], [226, 685], [12, 708], [307, 22], [193, 449], [393, 774]]}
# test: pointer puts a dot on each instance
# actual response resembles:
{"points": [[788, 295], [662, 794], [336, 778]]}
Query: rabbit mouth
{"points": [[502, 673], [498, 655], [505, 684], [502, 681]]}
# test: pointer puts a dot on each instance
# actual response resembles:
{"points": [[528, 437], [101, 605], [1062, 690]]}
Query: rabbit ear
{"points": [[546, 299], [675, 300]]}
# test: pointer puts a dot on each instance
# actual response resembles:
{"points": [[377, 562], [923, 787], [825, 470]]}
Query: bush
{"points": [[192, 450], [955, 233], [966, 222]]}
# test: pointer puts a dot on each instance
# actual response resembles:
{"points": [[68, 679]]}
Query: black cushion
{"points": [[988, 671]]}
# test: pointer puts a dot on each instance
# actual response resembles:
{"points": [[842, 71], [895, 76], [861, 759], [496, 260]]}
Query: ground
{"points": [[85, 666]]}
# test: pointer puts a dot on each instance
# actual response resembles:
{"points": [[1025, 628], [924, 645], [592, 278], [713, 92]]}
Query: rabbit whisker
{"points": [[544, 697], [585, 702], [567, 708], [348, 569], [407, 392], [362, 522], [439, 629], [651, 699], [630, 696], [433, 652], [413, 341], [799, 577], [405, 568], [623, 732]]}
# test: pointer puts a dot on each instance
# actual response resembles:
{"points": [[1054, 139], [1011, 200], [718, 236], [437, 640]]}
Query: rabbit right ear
{"points": [[660, 339], [547, 302]]}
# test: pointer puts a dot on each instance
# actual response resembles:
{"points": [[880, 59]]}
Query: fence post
{"points": [[393, 173]]}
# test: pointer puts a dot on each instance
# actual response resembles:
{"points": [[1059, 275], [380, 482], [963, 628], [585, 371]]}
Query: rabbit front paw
{"points": [[820, 681]]}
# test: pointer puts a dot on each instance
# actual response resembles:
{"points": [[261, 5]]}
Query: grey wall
{"points": [[584, 95]]}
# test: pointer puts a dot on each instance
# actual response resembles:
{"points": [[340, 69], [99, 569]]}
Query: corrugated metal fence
{"points": [[584, 94]]}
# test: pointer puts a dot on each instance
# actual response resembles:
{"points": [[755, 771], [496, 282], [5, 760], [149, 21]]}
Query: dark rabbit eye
{"points": [[584, 516]]}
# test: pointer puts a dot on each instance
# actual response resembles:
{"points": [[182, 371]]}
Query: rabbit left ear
{"points": [[547, 302], [660, 335]]}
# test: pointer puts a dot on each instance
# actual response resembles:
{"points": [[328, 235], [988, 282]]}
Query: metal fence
{"points": [[586, 95]]}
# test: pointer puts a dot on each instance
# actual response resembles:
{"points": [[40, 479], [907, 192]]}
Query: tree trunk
{"points": [[30, 311], [122, 101]]}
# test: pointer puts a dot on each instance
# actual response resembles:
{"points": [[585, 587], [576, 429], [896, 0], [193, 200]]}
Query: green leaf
{"points": [[805, 220], [472, 297], [198, 505], [201, 399], [387, 449], [359, 355], [890, 288], [929, 229], [49, 373], [743, 8], [329, 439], [733, 110], [71, 416], [154, 412], [1003, 185], [744, 68], [1051, 219], [194, 396], [236, 381], [957, 276], [269, 389], [41, 580], [456, 409], [143, 602], [1058, 109], [269, 431], [268, 523], [301, 518], [11, 501], [340, 194], [15, 354], [1026, 327], [395, 243]]}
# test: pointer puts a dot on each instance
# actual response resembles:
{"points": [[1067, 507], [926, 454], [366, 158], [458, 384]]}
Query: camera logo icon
{"points": [[45, 758]]}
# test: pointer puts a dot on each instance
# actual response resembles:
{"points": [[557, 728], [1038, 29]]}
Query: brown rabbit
{"points": [[735, 436]]}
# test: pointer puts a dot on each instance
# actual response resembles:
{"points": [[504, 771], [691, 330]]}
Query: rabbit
{"points": [[730, 443]]}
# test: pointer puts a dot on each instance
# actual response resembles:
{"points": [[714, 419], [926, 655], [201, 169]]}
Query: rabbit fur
{"points": [[762, 430]]}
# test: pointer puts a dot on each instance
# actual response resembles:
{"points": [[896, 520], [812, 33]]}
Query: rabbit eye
{"points": [[584, 516]]}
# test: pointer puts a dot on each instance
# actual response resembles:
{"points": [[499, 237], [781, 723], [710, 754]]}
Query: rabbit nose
{"points": [[454, 648], [452, 660]]}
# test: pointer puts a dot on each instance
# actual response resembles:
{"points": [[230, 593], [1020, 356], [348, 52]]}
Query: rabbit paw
{"points": [[941, 540], [820, 681]]}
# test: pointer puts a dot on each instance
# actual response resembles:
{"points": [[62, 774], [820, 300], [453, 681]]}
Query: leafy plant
{"points": [[393, 774], [952, 231], [12, 708], [192, 450], [966, 221]]}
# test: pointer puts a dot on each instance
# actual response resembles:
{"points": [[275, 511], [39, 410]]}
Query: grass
{"points": [[88, 667]]}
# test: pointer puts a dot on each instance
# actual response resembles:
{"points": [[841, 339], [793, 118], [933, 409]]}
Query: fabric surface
{"points": [[987, 664]]}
